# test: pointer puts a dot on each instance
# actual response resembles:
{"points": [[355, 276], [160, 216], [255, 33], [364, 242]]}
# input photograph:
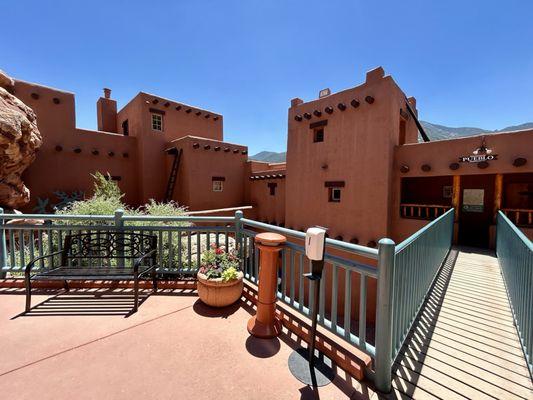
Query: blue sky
{"points": [[468, 63]]}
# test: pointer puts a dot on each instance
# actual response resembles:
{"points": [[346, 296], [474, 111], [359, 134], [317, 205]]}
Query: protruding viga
{"points": [[19, 141]]}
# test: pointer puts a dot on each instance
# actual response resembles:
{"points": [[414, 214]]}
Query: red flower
{"points": [[218, 250]]}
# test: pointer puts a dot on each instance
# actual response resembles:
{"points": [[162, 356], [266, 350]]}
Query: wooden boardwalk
{"points": [[464, 343]]}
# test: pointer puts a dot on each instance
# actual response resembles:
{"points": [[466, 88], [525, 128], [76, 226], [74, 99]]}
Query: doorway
{"points": [[476, 210]]}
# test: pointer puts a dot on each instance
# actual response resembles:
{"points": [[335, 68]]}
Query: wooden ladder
{"points": [[173, 172]]}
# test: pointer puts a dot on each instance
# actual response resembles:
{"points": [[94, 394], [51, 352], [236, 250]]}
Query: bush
{"points": [[106, 199]]}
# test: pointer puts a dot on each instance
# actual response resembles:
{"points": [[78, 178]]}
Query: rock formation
{"points": [[19, 141]]}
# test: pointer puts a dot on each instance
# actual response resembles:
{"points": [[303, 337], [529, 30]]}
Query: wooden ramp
{"points": [[464, 343]]}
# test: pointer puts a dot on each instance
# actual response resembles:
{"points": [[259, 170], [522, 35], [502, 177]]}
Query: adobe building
{"points": [[354, 163]]}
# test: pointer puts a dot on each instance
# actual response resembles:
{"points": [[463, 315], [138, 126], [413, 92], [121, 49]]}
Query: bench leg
{"points": [[154, 279], [66, 286], [28, 294], [136, 293]]}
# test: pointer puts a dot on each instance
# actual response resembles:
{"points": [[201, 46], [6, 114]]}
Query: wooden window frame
{"points": [[332, 198], [218, 185], [157, 116]]}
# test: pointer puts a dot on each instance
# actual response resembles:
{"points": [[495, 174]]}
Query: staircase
{"points": [[173, 172]]}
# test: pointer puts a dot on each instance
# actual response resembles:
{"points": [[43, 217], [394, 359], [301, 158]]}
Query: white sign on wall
{"points": [[473, 200]]}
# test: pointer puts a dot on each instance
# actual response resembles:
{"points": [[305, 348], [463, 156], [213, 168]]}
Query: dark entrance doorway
{"points": [[476, 210]]}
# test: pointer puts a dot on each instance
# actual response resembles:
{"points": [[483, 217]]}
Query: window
{"points": [[318, 130], [335, 194], [272, 187], [218, 183], [334, 190], [318, 135], [157, 122], [125, 128]]}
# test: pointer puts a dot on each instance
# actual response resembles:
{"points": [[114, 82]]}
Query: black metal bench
{"points": [[99, 255]]}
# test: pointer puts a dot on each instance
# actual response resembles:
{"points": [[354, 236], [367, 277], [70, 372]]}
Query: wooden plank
{"points": [[404, 389], [461, 377], [464, 343], [490, 372], [434, 381]]}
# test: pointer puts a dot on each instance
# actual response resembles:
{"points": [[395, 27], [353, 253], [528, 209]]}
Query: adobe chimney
{"points": [[106, 111]]}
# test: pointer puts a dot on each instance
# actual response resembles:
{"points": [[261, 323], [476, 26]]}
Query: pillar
{"points": [[456, 203], [498, 192], [264, 323], [456, 195]]}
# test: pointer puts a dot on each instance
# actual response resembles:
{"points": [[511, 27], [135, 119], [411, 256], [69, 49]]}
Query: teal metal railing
{"points": [[338, 310], [418, 260], [179, 242], [404, 273], [515, 255]]}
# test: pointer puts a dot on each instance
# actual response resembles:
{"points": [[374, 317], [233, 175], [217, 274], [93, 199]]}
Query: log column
{"points": [[264, 323], [456, 195], [498, 191]]}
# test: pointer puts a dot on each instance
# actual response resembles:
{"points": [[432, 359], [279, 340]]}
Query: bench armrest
{"points": [[32, 262], [139, 260]]}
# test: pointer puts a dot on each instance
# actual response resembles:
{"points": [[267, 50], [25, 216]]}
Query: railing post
{"points": [[119, 224], [238, 233], [3, 247], [383, 361]]}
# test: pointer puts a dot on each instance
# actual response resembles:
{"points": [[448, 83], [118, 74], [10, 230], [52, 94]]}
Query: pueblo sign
{"points": [[481, 154], [475, 158]]}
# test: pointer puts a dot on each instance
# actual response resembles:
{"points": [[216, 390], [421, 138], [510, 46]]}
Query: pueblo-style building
{"points": [[354, 163]]}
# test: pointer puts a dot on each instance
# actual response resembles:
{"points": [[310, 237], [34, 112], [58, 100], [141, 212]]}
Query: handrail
{"points": [[179, 245], [58, 217], [418, 233], [424, 205], [406, 273], [336, 244], [515, 256], [521, 236]]}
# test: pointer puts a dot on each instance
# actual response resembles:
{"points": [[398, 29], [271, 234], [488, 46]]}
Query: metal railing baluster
{"points": [[347, 303]]}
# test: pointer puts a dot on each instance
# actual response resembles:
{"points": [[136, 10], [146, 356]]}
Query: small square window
{"points": [[218, 186], [318, 135], [272, 187], [335, 194], [157, 122]]}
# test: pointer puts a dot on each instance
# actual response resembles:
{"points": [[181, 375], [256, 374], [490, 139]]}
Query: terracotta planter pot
{"points": [[216, 293]]}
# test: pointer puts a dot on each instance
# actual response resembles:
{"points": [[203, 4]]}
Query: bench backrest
{"points": [[79, 249]]}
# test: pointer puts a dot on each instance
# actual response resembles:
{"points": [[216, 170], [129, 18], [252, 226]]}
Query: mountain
{"points": [[269, 156], [441, 132], [434, 131]]}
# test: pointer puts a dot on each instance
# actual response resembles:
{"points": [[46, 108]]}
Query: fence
{"points": [[338, 311], [179, 243], [515, 255], [404, 273]]}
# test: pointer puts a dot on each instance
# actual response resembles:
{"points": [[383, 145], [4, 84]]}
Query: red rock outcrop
{"points": [[19, 141]]}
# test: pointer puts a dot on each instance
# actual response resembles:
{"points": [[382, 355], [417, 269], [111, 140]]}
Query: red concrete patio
{"points": [[80, 346]]}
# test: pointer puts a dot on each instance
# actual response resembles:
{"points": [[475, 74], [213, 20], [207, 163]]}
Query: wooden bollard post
{"points": [[264, 323]]}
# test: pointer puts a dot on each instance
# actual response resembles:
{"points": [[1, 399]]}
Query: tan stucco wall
{"points": [[66, 170], [440, 154], [198, 166], [358, 149]]}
